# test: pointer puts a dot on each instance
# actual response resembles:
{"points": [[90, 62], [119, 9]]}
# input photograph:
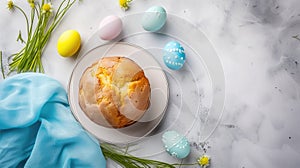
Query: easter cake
{"points": [[114, 92]]}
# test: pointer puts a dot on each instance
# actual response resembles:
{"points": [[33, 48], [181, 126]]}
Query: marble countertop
{"points": [[258, 45]]}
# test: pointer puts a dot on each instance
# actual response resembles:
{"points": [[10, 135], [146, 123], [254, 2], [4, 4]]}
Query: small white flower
{"points": [[204, 161], [47, 8], [124, 4]]}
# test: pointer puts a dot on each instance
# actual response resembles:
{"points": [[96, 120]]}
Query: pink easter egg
{"points": [[110, 27]]}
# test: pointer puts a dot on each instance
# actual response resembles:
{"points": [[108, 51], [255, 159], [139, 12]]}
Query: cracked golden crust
{"points": [[114, 92]]}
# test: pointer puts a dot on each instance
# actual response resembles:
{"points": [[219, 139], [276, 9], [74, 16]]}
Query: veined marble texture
{"points": [[258, 43]]}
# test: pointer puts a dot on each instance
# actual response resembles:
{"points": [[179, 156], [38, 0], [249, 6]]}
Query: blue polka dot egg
{"points": [[174, 56], [176, 145]]}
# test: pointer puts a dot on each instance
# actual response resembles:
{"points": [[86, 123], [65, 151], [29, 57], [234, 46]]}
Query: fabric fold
{"points": [[37, 128]]}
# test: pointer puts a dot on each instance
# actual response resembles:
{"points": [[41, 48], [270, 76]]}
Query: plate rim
{"points": [[161, 116]]}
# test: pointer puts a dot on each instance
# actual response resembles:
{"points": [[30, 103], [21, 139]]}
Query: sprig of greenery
{"points": [[125, 160], [28, 59]]}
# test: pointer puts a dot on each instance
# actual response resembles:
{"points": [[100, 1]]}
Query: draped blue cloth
{"points": [[37, 128]]}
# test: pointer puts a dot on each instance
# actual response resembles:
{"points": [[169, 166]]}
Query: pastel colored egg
{"points": [[110, 27], [174, 55], [68, 43], [154, 18], [176, 144]]}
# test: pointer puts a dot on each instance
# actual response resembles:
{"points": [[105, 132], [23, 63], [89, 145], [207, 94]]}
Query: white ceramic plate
{"points": [[159, 93]]}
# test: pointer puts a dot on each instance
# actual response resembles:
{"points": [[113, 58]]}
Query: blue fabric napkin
{"points": [[37, 128]]}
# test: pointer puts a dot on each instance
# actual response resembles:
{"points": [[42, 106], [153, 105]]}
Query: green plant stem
{"points": [[36, 9], [31, 22], [1, 64], [24, 14]]}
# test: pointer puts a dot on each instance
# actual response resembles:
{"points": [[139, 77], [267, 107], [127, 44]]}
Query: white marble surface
{"points": [[260, 57]]}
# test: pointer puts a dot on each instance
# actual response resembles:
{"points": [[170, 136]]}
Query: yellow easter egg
{"points": [[68, 43]]}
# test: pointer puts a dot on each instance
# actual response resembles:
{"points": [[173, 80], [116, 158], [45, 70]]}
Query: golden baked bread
{"points": [[114, 92]]}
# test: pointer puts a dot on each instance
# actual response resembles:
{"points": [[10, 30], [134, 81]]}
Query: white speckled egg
{"points": [[154, 18], [176, 145], [174, 56], [110, 27]]}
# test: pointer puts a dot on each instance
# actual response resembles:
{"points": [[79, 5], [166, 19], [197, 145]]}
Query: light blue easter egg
{"points": [[154, 18], [174, 56], [176, 145]]}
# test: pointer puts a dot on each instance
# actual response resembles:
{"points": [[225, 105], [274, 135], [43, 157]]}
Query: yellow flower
{"points": [[10, 4], [124, 4], [32, 5], [203, 161], [47, 7]]}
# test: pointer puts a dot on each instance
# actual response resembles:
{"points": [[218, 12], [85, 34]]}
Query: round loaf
{"points": [[114, 92]]}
